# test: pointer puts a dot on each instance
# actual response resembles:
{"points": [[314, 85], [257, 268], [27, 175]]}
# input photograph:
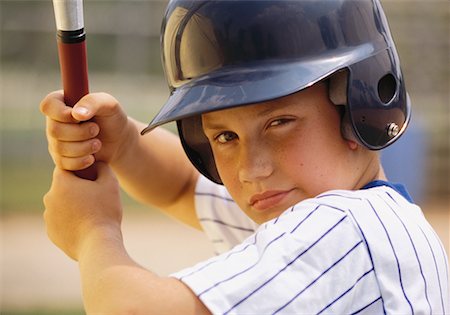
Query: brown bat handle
{"points": [[73, 63]]}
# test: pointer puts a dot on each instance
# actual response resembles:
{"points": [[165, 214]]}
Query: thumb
{"points": [[63, 181], [95, 104], [63, 177]]}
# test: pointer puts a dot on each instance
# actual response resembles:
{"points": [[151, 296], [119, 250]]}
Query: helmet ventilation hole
{"points": [[386, 88]]}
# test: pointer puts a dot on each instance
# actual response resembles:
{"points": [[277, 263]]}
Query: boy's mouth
{"points": [[268, 199]]}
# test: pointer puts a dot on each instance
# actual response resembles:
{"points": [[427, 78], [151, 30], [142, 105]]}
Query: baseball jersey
{"points": [[369, 251]]}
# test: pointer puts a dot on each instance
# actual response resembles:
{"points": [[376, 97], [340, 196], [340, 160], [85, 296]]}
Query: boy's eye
{"points": [[278, 122], [224, 137]]}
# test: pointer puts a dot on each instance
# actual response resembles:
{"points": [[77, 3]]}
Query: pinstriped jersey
{"points": [[369, 251]]}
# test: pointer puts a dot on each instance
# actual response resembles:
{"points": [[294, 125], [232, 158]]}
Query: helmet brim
{"points": [[252, 83]]}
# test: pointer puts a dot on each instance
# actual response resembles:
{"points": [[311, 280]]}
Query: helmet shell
{"points": [[227, 53]]}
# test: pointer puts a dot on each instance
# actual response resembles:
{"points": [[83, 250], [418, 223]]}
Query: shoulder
{"points": [[307, 254], [375, 200], [322, 221]]}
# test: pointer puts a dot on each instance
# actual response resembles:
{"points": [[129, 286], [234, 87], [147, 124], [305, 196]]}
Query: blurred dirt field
{"points": [[36, 275]]}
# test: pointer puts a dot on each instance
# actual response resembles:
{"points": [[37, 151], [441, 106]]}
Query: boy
{"points": [[284, 103]]}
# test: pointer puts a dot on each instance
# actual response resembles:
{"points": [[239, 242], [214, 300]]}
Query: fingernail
{"points": [[81, 110], [95, 146], [93, 131]]}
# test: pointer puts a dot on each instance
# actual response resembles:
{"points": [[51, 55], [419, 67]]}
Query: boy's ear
{"points": [[353, 145]]}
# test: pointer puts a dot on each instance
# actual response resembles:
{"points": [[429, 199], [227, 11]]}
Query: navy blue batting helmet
{"points": [[226, 53]]}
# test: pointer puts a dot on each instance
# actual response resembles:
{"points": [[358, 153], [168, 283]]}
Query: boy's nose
{"points": [[255, 163]]}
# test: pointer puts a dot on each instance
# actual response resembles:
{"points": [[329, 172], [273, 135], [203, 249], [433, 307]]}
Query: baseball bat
{"points": [[71, 40]]}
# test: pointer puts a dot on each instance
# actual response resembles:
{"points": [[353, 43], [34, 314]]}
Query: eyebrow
{"points": [[212, 125], [270, 108]]}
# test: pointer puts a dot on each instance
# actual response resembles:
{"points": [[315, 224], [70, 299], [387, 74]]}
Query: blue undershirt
{"points": [[401, 189]]}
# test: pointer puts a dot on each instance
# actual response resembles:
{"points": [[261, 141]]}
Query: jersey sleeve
{"points": [[222, 220], [344, 252], [311, 259]]}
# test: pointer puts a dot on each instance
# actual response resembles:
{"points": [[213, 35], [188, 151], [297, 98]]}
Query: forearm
{"points": [[113, 283], [94, 267]]}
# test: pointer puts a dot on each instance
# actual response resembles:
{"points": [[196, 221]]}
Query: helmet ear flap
{"points": [[375, 108], [197, 148], [337, 87], [337, 93], [387, 87]]}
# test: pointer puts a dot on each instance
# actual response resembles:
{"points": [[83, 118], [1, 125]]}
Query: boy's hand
{"points": [[79, 212], [72, 145]]}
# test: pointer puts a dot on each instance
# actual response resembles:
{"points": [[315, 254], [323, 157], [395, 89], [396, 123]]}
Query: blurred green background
{"points": [[124, 60]]}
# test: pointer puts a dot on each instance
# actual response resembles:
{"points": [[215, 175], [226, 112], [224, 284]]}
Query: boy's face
{"points": [[272, 155]]}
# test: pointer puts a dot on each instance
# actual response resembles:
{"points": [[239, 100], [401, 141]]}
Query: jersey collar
{"points": [[401, 189]]}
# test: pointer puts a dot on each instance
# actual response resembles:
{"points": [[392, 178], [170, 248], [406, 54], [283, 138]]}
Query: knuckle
{"points": [[109, 100], [115, 104], [53, 128], [60, 147], [57, 160], [44, 106], [53, 152], [68, 164], [49, 101], [107, 97]]}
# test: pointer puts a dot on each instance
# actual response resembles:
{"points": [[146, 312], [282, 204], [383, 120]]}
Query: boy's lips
{"points": [[268, 199]]}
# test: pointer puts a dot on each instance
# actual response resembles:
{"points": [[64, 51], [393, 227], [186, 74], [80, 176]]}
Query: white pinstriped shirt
{"points": [[369, 251]]}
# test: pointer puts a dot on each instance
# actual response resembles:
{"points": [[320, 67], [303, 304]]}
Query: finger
{"points": [[95, 104], [70, 131], [53, 106], [72, 149], [73, 163]]}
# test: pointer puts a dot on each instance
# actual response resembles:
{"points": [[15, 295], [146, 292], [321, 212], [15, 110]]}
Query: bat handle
{"points": [[73, 64]]}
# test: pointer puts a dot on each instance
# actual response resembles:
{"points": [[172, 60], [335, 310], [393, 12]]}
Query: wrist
{"points": [[130, 139], [101, 243]]}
